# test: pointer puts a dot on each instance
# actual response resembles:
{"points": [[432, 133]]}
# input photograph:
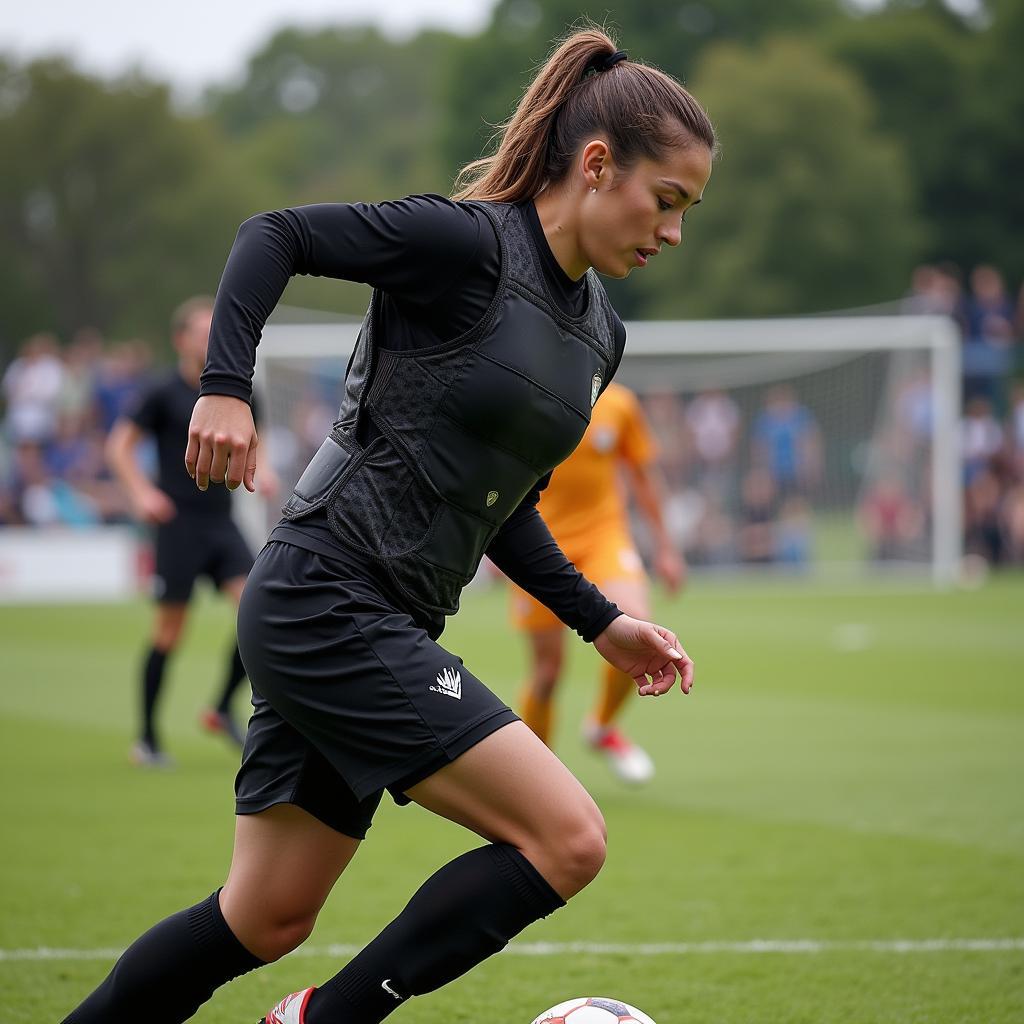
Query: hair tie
{"points": [[607, 61]]}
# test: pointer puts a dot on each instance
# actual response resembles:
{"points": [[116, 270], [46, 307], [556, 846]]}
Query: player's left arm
{"points": [[648, 488], [638, 452], [526, 552]]}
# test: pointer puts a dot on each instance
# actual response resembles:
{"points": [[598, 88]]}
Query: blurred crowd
{"points": [[59, 403], [747, 482], [991, 322]]}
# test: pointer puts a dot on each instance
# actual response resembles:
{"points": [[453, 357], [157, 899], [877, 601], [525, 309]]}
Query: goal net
{"points": [[821, 446]]}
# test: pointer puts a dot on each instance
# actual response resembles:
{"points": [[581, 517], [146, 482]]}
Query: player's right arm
{"points": [[148, 502]]}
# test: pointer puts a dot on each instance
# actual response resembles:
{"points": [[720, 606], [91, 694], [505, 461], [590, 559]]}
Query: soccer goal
{"points": [[818, 446]]}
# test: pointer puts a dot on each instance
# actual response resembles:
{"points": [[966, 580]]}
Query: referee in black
{"points": [[195, 534], [488, 339]]}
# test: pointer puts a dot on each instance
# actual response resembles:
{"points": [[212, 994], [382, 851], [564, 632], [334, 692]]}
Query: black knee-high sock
{"points": [[167, 974], [236, 673], [152, 680], [461, 915]]}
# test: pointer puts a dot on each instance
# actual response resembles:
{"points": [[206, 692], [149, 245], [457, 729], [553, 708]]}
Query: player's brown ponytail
{"points": [[588, 87]]}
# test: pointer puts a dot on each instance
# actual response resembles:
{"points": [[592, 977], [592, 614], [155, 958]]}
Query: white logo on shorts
{"points": [[449, 682]]}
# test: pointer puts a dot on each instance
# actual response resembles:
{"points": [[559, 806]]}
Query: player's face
{"points": [[193, 339], [634, 213]]}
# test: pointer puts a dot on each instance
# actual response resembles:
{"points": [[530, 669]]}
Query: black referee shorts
{"points": [[351, 697], [191, 546]]}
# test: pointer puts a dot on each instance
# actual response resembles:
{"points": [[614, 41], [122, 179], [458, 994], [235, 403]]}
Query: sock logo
{"points": [[386, 985], [449, 682]]}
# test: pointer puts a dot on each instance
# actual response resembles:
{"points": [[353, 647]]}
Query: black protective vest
{"points": [[467, 428]]}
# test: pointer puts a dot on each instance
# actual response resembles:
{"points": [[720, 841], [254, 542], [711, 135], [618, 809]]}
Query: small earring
{"points": [[593, 189]]}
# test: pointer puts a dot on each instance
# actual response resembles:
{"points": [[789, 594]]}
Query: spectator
{"points": [[32, 387], [983, 526], [43, 499], [981, 437], [793, 533], [988, 345], [666, 416], [120, 381], [891, 519], [787, 442], [713, 420], [82, 361], [759, 505]]}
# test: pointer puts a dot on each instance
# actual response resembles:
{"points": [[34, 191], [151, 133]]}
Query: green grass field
{"points": [[849, 772]]}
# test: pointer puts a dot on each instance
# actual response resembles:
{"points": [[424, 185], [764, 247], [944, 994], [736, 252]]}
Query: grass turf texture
{"points": [[848, 768]]}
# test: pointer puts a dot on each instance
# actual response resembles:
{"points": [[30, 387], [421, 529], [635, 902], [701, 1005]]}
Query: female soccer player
{"points": [[488, 340], [586, 509]]}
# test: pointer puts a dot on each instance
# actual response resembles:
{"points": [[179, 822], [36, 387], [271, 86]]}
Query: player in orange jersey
{"points": [[585, 508]]}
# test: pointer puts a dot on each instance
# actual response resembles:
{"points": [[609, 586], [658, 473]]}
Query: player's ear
{"points": [[595, 163]]}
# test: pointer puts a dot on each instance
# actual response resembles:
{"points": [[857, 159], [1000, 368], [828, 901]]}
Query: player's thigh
{"points": [[283, 866], [511, 788], [180, 554], [228, 557]]}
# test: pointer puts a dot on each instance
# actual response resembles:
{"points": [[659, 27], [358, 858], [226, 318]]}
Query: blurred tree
{"points": [[113, 209], [952, 88], [995, 205], [489, 72], [809, 207], [340, 114]]}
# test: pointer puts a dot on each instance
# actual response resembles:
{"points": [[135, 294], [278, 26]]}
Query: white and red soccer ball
{"points": [[593, 1010]]}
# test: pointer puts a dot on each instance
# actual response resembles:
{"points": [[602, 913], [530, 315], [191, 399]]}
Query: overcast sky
{"points": [[192, 43], [195, 42]]}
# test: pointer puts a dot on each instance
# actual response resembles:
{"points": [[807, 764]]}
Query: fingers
{"points": [[661, 681], [250, 466], [204, 460], [222, 450], [679, 665], [685, 669], [237, 465], [666, 643], [192, 454]]}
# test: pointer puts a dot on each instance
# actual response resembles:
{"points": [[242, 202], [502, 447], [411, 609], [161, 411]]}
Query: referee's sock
{"points": [[461, 915], [165, 975], [152, 681], [236, 673]]}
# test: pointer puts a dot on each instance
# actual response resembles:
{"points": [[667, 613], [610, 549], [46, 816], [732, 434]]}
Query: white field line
{"points": [[754, 946]]}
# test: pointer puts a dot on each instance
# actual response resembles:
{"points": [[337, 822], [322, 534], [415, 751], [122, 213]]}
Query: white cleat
{"points": [[629, 762], [291, 1009]]}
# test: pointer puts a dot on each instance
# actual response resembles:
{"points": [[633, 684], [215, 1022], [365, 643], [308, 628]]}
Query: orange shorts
{"points": [[603, 557]]}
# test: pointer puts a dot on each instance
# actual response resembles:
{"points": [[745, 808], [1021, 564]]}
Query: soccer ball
{"points": [[593, 1010]]}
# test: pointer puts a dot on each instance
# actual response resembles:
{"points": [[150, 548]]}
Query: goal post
{"points": [[824, 446]]}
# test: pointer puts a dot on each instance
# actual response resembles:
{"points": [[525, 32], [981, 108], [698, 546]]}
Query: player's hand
{"points": [[670, 567], [222, 443], [650, 654], [153, 506]]}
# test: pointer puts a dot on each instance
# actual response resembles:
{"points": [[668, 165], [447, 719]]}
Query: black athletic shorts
{"points": [[192, 546], [351, 697]]}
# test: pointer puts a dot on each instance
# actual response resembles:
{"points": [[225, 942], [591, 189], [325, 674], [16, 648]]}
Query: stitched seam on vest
{"points": [[485, 321], [494, 444], [555, 314], [538, 267], [540, 387]]}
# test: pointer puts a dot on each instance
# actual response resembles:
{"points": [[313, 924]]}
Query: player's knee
{"points": [[279, 935], [581, 851], [546, 674]]}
